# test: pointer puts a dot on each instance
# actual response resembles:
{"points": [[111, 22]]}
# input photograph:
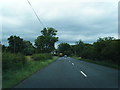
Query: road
{"points": [[72, 73]]}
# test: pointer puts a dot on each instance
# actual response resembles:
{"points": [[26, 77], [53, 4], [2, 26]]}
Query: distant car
{"points": [[60, 54], [65, 56]]}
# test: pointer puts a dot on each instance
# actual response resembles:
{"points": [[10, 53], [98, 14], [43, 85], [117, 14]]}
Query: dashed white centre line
{"points": [[83, 73], [72, 63]]}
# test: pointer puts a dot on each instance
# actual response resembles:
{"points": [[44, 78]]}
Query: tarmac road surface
{"points": [[71, 73]]}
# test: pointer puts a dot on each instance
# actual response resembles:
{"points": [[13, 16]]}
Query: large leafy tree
{"points": [[64, 48], [28, 48], [79, 47], [45, 42], [15, 44], [101, 46], [3, 47]]}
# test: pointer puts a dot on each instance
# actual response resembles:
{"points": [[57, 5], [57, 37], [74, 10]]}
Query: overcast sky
{"points": [[74, 19]]}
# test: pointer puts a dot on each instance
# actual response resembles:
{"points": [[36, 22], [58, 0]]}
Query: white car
{"points": [[65, 56]]}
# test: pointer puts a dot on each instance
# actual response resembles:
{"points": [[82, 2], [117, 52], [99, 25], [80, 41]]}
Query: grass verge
{"points": [[104, 63], [13, 77]]}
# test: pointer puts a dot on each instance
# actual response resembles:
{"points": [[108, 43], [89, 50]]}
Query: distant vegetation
{"points": [[43, 44], [12, 61], [40, 57], [104, 49]]}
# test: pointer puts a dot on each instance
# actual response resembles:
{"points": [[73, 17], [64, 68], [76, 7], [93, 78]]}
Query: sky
{"points": [[75, 20]]}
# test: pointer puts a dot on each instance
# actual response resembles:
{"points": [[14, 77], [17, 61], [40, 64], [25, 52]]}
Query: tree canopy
{"points": [[18, 45], [45, 42], [28, 48], [15, 44], [64, 48], [104, 49]]}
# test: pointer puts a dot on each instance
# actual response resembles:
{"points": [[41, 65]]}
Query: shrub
{"points": [[48, 56], [10, 60], [38, 57]]}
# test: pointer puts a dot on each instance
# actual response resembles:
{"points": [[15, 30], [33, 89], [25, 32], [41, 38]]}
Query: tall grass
{"points": [[14, 61], [104, 63], [38, 57], [13, 76]]}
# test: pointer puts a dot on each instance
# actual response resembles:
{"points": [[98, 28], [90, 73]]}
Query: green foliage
{"points": [[107, 49], [15, 44], [4, 48], [14, 61], [13, 77], [39, 57], [104, 63], [104, 49], [45, 42], [105, 39], [18, 45], [79, 48], [28, 48], [88, 51], [64, 48]]}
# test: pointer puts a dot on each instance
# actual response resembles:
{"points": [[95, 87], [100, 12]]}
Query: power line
{"points": [[35, 13]]}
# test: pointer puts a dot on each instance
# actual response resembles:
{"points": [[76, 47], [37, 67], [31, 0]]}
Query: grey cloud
{"points": [[71, 25]]}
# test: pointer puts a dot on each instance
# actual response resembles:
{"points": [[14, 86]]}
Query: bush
{"points": [[10, 60], [38, 57], [48, 56]]}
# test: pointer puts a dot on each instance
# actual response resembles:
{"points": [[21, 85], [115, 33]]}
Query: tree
{"points": [[111, 51], [45, 42], [88, 51], [15, 44], [28, 48], [64, 48], [73, 50], [1, 48], [105, 39], [79, 47], [101, 46], [4, 48]]}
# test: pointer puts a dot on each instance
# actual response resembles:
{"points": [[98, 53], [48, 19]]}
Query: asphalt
{"points": [[72, 73]]}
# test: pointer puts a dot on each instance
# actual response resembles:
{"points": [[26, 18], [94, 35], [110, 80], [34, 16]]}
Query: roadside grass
{"points": [[104, 63], [28, 58], [12, 77]]}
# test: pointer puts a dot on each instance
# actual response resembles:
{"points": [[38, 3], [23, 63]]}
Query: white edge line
{"points": [[72, 63], [83, 73]]}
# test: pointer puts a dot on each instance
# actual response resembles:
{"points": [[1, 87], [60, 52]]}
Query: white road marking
{"points": [[83, 73], [72, 63]]}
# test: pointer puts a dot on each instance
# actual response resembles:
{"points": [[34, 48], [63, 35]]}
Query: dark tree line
{"points": [[64, 48], [14, 55], [18, 45], [104, 49], [43, 44]]}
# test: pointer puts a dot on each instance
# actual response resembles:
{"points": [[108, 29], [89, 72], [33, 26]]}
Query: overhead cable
{"points": [[35, 13]]}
